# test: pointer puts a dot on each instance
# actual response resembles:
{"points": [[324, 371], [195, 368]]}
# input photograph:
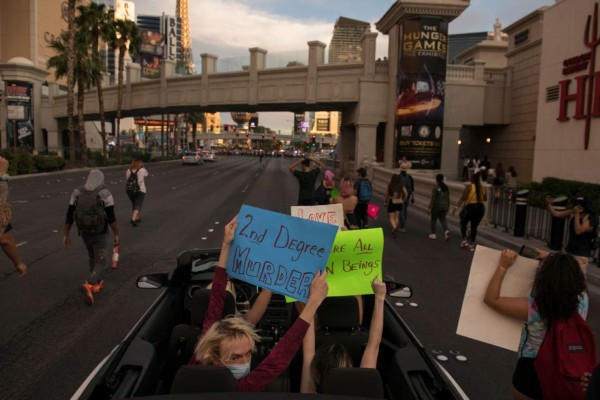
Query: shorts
{"points": [[137, 200], [394, 207], [525, 378]]}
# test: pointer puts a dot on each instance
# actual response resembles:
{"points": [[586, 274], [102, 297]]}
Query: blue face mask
{"points": [[239, 370]]}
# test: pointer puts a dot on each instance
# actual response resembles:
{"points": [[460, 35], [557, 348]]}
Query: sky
{"points": [[228, 28]]}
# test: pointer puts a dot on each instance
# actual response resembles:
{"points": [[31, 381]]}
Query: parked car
{"points": [[149, 361], [192, 157], [209, 156]]}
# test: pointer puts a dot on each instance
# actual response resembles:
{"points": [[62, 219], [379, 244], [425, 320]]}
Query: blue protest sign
{"points": [[279, 252]]}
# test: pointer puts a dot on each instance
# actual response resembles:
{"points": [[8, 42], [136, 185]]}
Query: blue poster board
{"points": [[279, 252]]}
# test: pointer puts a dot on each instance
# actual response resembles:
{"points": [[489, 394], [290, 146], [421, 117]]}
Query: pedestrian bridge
{"points": [[360, 90]]}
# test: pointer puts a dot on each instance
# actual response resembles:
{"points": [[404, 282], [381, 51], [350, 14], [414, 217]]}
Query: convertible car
{"points": [[151, 362]]}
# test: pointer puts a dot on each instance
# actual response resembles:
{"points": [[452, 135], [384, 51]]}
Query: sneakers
{"points": [[464, 244], [98, 287], [432, 236], [447, 235], [87, 290], [472, 247]]}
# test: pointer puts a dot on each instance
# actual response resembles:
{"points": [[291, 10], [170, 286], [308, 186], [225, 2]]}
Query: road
{"points": [[50, 340]]}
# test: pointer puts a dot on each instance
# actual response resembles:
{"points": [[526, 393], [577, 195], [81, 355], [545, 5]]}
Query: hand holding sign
{"points": [[279, 252]]}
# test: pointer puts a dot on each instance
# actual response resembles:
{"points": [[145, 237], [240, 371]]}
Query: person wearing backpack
{"points": [[409, 184], [364, 192], [135, 187], [92, 208], [558, 297]]}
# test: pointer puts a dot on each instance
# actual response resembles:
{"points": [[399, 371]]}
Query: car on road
{"points": [[192, 158], [209, 156], [151, 362]]}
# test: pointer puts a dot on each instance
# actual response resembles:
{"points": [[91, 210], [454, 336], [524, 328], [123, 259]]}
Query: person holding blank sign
{"points": [[558, 291], [230, 342]]}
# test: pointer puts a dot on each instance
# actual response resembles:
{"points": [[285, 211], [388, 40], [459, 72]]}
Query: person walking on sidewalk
{"points": [[472, 202], [136, 189], [409, 184], [7, 242], [439, 206], [395, 198], [92, 208], [307, 178], [364, 192]]}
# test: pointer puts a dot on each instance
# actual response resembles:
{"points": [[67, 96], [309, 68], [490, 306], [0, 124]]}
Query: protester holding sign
{"points": [[230, 342], [315, 365], [559, 291], [348, 200]]}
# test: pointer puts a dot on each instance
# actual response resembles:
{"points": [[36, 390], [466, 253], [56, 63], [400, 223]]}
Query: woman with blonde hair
{"points": [[136, 189], [230, 342], [348, 200]]}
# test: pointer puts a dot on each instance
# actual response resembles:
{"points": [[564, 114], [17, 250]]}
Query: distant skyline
{"points": [[228, 28]]}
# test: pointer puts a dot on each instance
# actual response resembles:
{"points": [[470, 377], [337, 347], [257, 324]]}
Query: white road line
{"points": [[21, 244]]}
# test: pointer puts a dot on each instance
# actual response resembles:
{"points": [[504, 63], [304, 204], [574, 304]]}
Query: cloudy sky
{"points": [[228, 28]]}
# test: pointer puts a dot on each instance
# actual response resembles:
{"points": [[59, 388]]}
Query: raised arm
{"points": [[219, 284], [318, 162], [369, 358], [515, 307], [294, 165], [259, 307], [307, 384], [580, 226]]}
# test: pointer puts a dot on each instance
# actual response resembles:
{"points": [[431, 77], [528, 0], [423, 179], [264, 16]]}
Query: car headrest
{"points": [[339, 312], [358, 382], [199, 305], [203, 379]]}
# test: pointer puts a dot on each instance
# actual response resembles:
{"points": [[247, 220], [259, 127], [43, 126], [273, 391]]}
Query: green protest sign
{"points": [[355, 259]]}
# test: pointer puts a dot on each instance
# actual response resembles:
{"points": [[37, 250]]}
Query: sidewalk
{"points": [[507, 240]]}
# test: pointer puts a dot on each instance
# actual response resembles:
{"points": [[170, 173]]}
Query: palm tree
{"points": [[126, 37], [97, 22], [194, 119], [83, 71], [70, 54]]}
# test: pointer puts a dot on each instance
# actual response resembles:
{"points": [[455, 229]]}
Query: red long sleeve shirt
{"points": [[279, 358]]}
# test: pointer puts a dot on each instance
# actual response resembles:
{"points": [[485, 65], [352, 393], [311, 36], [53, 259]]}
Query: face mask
{"points": [[239, 370]]}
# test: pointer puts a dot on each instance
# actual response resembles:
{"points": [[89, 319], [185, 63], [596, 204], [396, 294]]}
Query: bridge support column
{"points": [[365, 143]]}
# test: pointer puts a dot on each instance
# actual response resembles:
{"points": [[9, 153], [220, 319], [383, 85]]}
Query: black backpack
{"points": [[90, 215], [132, 187]]}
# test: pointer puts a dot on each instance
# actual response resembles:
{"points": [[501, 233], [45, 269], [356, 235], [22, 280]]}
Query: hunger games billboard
{"points": [[421, 84]]}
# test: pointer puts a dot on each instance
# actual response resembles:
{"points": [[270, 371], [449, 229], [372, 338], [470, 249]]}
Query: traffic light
{"points": [[313, 140]]}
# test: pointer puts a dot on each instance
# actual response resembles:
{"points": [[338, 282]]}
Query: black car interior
{"points": [[153, 359]]}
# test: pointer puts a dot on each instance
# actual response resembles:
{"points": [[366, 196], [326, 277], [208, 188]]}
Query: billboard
{"points": [[150, 66], [19, 124], [170, 38], [421, 84], [152, 43], [124, 10]]}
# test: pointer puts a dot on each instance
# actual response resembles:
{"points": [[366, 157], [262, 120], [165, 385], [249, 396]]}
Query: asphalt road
{"points": [[50, 340]]}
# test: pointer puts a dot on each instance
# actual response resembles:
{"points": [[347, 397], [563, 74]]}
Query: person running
{"points": [[136, 193], [472, 201], [438, 206], [364, 192], [230, 342], [559, 291], [315, 365], [394, 200], [307, 178], [348, 201], [7, 242], [92, 208], [326, 190]]}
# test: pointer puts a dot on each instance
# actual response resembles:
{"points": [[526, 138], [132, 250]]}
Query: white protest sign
{"points": [[328, 213], [477, 320]]}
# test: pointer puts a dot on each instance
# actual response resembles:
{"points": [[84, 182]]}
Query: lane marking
{"points": [[21, 244]]}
